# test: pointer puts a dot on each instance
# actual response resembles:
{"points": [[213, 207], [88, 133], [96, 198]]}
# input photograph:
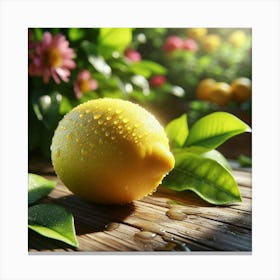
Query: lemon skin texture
{"points": [[111, 151]]}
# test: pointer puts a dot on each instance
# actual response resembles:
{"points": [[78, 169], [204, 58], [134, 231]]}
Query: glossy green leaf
{"points": [[89, 48], [217, 156], [65, 105], [244, 161], [146, 68], [214, 129], [177, 131], [204, 176], [46, 106], [38, 187], [53, 221], [114, 39]]}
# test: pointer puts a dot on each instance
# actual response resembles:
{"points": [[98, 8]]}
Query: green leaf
{"points": [[76, 34], [204, 176], [214, 129], [217, 156], [146, 68], [88, 96], [53, 221], [65, 105], [89, 48], [34, 127], [114, 39], [177, 131], [46, 106], [38, 187], [244, 161]]}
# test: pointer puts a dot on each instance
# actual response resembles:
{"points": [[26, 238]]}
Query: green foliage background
{"points": [[102, 52]]}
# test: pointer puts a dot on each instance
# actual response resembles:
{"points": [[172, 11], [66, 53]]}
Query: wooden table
{"points": [[165, 221]]}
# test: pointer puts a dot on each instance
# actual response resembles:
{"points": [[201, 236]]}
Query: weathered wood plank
{"points": [[164, 221], [243, 178]]}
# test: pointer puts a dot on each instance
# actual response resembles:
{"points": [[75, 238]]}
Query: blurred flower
{"points": [[196, 33], [237, 38], [157, 80], [52, 58], [84, 83], [190, 45], [172, 43], [132, 55], [211, 43]]}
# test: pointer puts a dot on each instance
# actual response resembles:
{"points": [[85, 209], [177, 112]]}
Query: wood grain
{"points": [[153, 223]]}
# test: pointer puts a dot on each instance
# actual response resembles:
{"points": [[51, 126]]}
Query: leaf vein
{"points": [[188, 173]]}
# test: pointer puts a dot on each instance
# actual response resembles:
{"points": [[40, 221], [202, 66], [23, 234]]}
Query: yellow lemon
{"points": [[237, 39], [204, 89], [111, 151], [211, 43], [241, 89], [196, 33]]}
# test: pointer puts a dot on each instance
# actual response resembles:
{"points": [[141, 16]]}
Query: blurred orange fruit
{"points": [[196, 33], [211, 43], [204, 89], [241, 89], [220, 94]]}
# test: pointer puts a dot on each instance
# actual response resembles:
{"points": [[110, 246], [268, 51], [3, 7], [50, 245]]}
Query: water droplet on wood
{"points": [[150, 226], [144, 235], [112, 226], [176, 214]]}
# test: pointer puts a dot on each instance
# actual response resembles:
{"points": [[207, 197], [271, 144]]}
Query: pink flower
{"points": [[84, 83], [52, 58], [132, 55], [172, 43], [157, 80], [190, 45]]}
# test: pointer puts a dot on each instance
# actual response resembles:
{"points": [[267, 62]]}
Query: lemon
{"points": [[111, 151]]}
